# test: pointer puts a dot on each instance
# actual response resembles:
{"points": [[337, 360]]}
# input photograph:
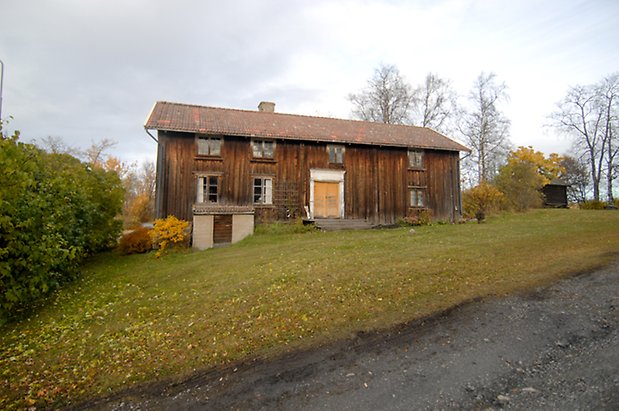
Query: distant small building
{"points": [[555, 194]]}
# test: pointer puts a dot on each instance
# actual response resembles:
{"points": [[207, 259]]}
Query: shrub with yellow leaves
{"points": [[170, 232]]}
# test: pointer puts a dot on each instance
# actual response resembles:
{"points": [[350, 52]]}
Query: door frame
{"points": [[327, 176]]}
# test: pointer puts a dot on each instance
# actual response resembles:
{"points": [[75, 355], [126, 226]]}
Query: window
{"points": [[336, 154], [263, 190], [262, 148], [415, 158], [208, 189], [209, 146], [417, 197]]}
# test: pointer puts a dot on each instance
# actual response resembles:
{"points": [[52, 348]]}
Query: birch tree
{"points": [[387, 98], [434, 104], [608, 94], [485, 128]]}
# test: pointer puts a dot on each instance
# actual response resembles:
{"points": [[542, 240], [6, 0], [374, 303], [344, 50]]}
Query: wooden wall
{"points": [[376, 184]]}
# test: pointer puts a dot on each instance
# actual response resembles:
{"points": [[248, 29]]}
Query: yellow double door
{"points": [[326, 200]]}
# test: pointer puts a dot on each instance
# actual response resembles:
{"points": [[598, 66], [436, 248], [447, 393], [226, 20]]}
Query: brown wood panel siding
{"points": [[442, 184], [359, 182], [417, 178], [179, 190], [376, 179], [237, 185], [222, 229]]}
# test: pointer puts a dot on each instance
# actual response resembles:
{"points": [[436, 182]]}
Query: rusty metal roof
{"points": [[168, 116]]}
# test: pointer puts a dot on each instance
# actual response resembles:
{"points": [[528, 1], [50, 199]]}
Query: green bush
{"points": [[278, 227], [593, 205], [54, 211], [135, 242]]}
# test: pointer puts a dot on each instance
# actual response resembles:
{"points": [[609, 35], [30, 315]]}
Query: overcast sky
{"points": [[85, 70]]}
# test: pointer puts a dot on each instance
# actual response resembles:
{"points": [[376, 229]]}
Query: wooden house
{"points": [[278, 166]]}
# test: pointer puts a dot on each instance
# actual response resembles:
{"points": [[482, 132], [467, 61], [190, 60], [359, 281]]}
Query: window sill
{"points": [[263, 160], [264, 205], [416, 168], [210, 158]]}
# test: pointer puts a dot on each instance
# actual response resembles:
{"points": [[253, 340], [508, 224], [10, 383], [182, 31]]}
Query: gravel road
{"points": [[552, 348]]}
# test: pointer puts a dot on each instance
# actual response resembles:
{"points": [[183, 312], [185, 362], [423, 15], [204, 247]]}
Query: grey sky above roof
{"points": [[228, 122], [88, 70]]}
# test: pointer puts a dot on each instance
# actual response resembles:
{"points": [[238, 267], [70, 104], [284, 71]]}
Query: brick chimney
{"points": [[266, 106]]}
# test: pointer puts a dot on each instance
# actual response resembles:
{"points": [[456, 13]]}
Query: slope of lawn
{"points": [[137, 318]]}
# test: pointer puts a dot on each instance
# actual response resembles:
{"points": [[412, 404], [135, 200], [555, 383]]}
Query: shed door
{"points": [[326, 200], [222, 229]]}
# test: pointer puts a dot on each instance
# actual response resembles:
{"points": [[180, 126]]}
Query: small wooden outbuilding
{"points": [[555, 194]]}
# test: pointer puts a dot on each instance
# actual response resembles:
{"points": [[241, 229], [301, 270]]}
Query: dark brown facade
{"points": [[378, 183], [555, 194]]}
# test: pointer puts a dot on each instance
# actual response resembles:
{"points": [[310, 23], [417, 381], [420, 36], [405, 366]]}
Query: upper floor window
{"points": [[208, 189], [415, 158], [209, 146], [336, 154], [263, 148], [263, 190]]}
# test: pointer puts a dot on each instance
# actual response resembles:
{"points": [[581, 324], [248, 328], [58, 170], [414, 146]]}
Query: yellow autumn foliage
{"points": [[169, 232]]}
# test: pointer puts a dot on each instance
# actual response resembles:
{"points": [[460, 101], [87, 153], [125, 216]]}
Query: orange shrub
{"points": [[480, 200], [137, 241]]}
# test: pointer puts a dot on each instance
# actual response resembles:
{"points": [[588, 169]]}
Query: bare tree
{"points": [[147, 178], [576, 177], [56, 145], [485, 128], [96, 153], [608, 94], [579, 115], [434, 103], [387, 97]]}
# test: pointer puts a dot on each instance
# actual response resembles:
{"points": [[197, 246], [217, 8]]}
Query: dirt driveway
{"points": [[554, 348]]}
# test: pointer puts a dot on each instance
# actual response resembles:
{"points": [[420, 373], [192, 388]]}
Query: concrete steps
{"points": [[336, 224]]}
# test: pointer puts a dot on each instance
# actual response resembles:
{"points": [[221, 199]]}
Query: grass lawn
{"points": [[137, 318]]}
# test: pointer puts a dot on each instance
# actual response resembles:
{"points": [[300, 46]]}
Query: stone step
{"points": [[335, 224]]}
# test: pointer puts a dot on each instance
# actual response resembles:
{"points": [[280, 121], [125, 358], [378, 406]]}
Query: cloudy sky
{"points": [[85, 70]]}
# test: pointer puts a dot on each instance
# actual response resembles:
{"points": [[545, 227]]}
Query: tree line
{"points": [[588, 114]]}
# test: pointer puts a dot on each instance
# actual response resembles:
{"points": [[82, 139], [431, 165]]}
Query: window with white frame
{"points": [[417, 197], [263, 148], [336, 154], [209, 146], [208, 189], [415, 158], [263, 190]]}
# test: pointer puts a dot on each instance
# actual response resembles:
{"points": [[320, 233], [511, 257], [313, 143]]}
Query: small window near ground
{"points": [[208, 189], [415, 158], [263, 148], [209, 146], [263, 190], [417, 197], [336, 154]]}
